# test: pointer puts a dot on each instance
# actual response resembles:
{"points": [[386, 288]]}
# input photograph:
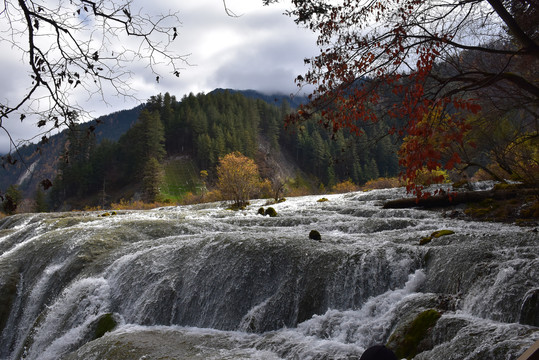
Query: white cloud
{"points": [[262, 49]]}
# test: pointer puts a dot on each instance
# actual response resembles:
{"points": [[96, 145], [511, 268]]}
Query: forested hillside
{"points": [[199, 130], [35, 162]]}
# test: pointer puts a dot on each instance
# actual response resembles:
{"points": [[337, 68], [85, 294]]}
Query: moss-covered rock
{"points": [[406, 343], [270, 212], [322, 200], [261, 211], [441, 233], [435, 235], [105, 324], [239, 206], [315, 235]]}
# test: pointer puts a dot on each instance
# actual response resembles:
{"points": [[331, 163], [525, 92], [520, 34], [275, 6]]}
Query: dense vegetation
{"points": [[455, 72], [204, 128]]}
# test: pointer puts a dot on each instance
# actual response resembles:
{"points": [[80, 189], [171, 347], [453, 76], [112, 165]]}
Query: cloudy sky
{"points": [[262, 49]]}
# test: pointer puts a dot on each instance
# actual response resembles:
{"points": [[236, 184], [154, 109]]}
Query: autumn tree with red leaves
{"points": [[423, 64]]}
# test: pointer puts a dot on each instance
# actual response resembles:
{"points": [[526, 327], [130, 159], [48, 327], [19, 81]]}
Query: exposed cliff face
{"points": [[203, 282]]}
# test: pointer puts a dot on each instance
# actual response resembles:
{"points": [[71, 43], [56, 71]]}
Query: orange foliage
{"points": [[382, 183], [345, 187], [238, 177]]}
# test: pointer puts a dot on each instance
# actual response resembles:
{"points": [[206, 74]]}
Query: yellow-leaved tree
{"points": [[238, 178]]}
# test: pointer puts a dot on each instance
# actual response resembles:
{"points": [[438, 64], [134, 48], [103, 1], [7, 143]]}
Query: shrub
{"points": [[265, 190], [382, 183], [190, 198], [345, 187], [213, 196], [238, 178], [429, 177]]}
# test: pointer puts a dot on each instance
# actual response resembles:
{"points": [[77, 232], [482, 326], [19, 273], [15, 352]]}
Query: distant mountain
{"points": [[272, 99], [32, 166], [198, 130], [37, 162], [113, 126]]}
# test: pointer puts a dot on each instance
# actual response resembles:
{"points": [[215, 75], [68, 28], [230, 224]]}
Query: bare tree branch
{"points": [[82, 46]]}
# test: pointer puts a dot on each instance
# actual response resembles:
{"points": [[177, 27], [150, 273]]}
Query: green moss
{"points": [[322, 200], [261, 211], [425, 240], [477, 212], [406, 345], [105, 324], [271, 212], [440, 233], [105, 214], [481, 209], [435, 235]]}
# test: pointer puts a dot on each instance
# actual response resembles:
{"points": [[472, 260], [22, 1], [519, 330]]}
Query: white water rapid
{"points": [[202, 282]]}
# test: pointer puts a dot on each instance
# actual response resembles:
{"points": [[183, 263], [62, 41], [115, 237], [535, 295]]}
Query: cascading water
{"points": [[201, 282]]}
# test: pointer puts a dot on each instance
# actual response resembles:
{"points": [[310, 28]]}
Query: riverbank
{"points": [[506, 204]]}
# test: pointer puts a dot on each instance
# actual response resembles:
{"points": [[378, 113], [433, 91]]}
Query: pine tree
{"points": [[12, 199], [152, 180], [40, 201], [205, 156], [154, 135]]}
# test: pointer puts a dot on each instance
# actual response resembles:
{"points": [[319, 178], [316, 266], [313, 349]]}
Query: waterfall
{"points": [[203, 282]]}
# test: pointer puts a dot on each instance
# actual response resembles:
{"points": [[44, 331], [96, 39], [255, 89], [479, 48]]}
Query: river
{"points": [[203, 282]]}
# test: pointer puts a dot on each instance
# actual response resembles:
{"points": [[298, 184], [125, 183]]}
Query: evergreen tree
{"points": [[40, 201], [154, 135], [12, 199], [152, 180], [143, 141], [205, 154]]}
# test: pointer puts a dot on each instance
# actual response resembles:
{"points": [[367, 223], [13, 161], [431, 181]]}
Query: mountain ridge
{"points": [[106, 127], [111, 152]]}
